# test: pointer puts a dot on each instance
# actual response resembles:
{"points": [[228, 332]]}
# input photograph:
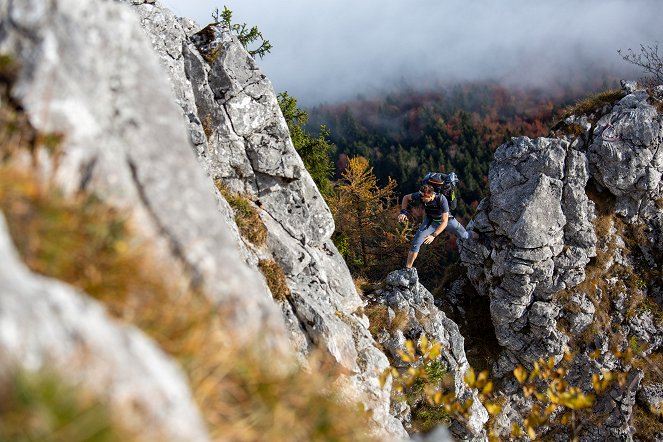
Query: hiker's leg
{"points": [[458, 229], [424, 230], [411, 256]]}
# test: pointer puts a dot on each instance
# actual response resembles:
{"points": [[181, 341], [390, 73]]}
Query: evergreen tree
{"points": [[314, 151], [246, 35]]}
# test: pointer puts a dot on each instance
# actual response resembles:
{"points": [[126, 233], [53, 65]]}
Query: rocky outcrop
{"points": [[540, 219], [241, 138], [544, 238], [411, 313], [533, 255], [626, 155], [49, 326]]}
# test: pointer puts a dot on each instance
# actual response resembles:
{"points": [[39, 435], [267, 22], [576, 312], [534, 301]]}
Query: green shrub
{"points": [[315, 152]]}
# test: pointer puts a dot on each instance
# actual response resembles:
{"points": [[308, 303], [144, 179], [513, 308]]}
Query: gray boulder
{"points": [[625, 154]]}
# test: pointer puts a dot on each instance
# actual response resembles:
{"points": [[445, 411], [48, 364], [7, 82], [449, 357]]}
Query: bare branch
{"points": [[648, 59]]}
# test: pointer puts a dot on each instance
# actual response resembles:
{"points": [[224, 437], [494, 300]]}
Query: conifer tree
{"points": [[314, 151], [361, 211]]}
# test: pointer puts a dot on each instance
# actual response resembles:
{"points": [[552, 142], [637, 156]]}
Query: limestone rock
{"points": [[651, 396], [418, 315], [625, 156], [125, 142], [618, 404], [46, 324], [241, 138], [540, 222]]}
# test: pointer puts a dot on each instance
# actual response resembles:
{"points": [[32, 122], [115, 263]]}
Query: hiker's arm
{"points": [[402, 217], [443, 225]]}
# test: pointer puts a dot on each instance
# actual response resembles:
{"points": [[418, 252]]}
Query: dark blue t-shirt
{"points": [[434, 208]]}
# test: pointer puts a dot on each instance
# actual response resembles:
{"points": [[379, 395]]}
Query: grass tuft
{"points": [[593, 104], [208, 127], [42, 406], [275, 278], [247, 217]]}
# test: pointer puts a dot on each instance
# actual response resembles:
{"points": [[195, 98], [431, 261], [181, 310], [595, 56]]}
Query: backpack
{"points": [[445, 184]]}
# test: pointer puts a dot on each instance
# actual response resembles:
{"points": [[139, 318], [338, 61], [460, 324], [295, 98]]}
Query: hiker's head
{"points": [[427, 193]]}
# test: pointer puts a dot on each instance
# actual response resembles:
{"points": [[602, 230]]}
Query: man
{"points": [[435, 221]]}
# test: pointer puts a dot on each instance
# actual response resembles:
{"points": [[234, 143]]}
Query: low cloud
{"points": [[329, 51]]}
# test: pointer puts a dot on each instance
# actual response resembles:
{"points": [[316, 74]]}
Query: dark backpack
{"points": [[445, 184]]}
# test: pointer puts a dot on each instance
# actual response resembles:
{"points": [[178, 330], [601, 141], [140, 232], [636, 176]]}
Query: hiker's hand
{"points": [[402, 218], [429, 239]]}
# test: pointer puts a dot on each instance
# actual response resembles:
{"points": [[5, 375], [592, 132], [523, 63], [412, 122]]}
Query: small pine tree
{"points": [[314, 151], [245, 35]]}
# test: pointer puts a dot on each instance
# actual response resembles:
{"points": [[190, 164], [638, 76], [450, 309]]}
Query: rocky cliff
{"points": [[242, 141], [159, 148], [573, 261]]}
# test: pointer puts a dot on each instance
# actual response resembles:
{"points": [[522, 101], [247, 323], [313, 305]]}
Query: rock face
{"points": [[626, 157], [540, 219], [123, 140], [411, 313], [154, 145], [241, 138], [543, 240], [534, 254]]}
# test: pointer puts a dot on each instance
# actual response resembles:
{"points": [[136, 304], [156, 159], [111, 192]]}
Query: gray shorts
{"points": [[428, 226]]}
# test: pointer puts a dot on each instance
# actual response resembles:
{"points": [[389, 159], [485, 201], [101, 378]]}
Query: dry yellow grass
{"points": [[594, 103], [275, 278], [247, 218]]}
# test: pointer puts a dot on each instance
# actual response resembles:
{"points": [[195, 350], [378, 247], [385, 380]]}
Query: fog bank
{"points": [[329, 51]]}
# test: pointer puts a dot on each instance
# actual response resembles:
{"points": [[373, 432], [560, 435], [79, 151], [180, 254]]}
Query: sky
{"points": [[326, 51]]}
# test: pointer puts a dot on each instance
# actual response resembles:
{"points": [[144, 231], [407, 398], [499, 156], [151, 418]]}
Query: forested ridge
{"points": [[405, 134], [455, 128]]}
